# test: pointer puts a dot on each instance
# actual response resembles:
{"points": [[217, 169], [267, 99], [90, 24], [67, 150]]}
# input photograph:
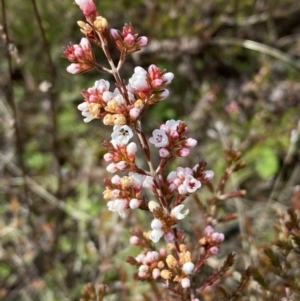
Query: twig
{"points": [[11, 101], [43, 193]]}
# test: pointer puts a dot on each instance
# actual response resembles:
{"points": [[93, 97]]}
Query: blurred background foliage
{"points": [[236, 66]]}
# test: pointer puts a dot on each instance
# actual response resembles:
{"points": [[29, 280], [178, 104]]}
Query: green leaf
{"points": [[266, 164]]}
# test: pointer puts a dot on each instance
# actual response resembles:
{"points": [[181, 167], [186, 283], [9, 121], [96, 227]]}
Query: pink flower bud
{"points": [[74, 68], [163, 152], [112, 168], [214, 250], [155, 273], [114, 33], [174, 134], [217, 237], [209, 174], [183, 152], [144, 268], [169, 236], [122, 165], [152, 256], [208, 230], [108, 157], [162, 252], [134, 240], [190, 142], [168, 77], [142, 41], [129, 39], [164, 94], [134, 113], [116, 180], [87, 7]]}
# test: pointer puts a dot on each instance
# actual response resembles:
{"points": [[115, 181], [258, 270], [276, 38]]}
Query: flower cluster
{"points": [[211, 240], [171, 139], [122, 107]]}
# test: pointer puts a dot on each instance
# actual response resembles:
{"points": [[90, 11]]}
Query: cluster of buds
{"points": [[211, 240], [80, 55], [179, 269], [127, 41]]}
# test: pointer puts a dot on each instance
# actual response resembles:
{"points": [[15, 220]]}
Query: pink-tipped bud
{"points": [[142, 41], [174, 134], [169, 237], [134, 240], [87, 7], [183, 152], [108, 157], [162, 252], [116, 180], [156, 273], [190, 142], [208, 230], [209, 174], [134, 113], [217, 237], [214, 250], [112, 168], [122, 165], [163, 152]]}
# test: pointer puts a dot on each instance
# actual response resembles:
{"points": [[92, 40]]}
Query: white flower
{"points": [[188, 267], [177, 212], [138, 80], [137, 180], [83, 107], [148, 182], [157, 232], [117, 205], [102, 85], [121, 134], [156, 235], [185, 282], [173, 124], [191, 184], [159, 138]]}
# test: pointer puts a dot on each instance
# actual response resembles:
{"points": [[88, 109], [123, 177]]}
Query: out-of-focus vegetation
{"points": [[236, 66]]}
